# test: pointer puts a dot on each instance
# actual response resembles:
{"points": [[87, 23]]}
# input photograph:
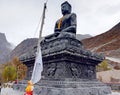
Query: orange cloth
{"points": [[29, 89], [60, 22]]}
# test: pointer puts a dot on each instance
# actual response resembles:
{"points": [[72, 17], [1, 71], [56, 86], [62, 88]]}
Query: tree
{"points": [[103, 66], [1, 69], [16, 67], [21, 69], [0, 78], [9, 74]]}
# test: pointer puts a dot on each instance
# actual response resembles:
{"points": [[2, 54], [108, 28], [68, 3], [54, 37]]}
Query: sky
{"points": [[20, 19]]}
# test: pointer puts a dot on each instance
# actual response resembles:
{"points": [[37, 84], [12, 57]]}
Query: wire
{"points": [[39, 22], [36, 30]]}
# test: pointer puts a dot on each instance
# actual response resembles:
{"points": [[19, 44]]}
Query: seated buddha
{"points": [[66, 25]]}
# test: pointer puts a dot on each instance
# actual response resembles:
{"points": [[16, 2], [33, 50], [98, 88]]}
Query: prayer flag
{"points": [[38, 67]]}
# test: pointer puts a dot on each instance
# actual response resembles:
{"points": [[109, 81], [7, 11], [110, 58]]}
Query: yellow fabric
{"points": [[60, 22], [28, 88]]}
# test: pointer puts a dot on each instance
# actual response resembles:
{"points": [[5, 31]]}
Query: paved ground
{"points": [[115, 93], [10, 91]]}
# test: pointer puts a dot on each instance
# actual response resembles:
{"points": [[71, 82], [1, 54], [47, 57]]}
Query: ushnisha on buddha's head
{"points": [[66, 8]]}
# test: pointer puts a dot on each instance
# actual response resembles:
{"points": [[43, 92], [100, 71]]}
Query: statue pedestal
{"points": [[66, 58], [69, 69]]}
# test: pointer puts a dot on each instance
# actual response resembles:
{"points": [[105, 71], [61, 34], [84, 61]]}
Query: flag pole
{"points": [[42, 23], [38, 66]]}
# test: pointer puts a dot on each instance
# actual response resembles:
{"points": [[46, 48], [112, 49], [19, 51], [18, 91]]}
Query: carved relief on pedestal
{"points": [[76, 70], [89, 72], [51, 68]]}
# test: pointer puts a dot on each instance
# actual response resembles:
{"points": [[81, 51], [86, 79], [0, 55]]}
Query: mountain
{"points": [[107, 43], [81, 37], [25, 46], [5, 48]]}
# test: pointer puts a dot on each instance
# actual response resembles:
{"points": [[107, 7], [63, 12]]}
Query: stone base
{"points": [[71, 87], [69, 69]]}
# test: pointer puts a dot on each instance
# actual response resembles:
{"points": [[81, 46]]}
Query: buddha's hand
{"points": [[57, 30], [57, 33]]}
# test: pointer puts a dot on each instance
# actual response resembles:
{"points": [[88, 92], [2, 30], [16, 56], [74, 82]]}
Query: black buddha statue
{"points": [[65, 26]]}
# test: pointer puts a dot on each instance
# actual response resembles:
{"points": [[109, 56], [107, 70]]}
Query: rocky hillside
{"points": [[25, 46], [107, 43], [5, 48]]}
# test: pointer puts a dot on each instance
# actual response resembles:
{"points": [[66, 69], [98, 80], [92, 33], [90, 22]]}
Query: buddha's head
{"points": [[65, 8]]}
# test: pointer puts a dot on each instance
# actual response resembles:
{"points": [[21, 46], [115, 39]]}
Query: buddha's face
{"points": [[65, 8]]}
